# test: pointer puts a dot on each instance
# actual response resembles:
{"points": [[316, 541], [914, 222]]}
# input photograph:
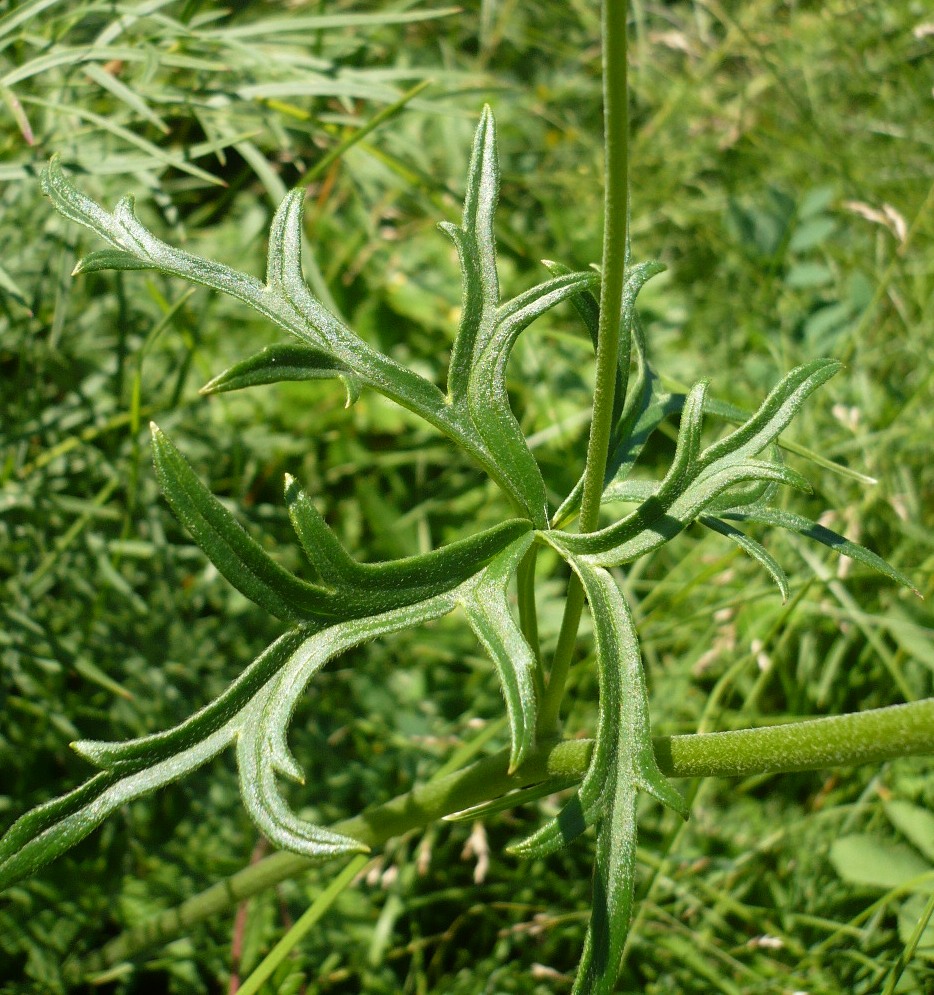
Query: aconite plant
{"points": [[724, 486]]}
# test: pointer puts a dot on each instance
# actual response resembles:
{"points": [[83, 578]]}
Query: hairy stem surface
{"points": [[614, 340], [845, 740]]}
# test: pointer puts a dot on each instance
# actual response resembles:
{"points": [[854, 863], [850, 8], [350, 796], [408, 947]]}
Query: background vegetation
{"points": [[782, 168]]}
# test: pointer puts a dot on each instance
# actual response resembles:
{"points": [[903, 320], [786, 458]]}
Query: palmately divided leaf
{"points": [[698, 481], [255, 710], [812, 530], [486, 604], [286, 300]]}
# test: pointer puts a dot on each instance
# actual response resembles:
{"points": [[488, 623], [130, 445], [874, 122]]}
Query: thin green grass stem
{"points": [[301, 928], [614, 340], [386, 114], [899, 966]]}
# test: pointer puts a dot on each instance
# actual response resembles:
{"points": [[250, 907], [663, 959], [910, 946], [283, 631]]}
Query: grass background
{"points": [[781, 166]]}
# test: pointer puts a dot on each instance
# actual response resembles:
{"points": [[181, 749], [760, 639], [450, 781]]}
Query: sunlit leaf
{"points": [[423, 575], [488, 612], [238, 557], [282, 362], [758, 552], [812, 530]]}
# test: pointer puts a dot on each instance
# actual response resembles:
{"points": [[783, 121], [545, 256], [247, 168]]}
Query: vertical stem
{"points": [[614, 340], [528, 616]]}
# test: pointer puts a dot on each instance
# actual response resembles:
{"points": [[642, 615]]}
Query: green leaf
{"points": [[655, 507], [915, 823], [697, 481], [476, 247], [286, 300], [753, 548], [630, 491], [238, 557], [284, 361], [811, 530], [614, 877], [285, 281], [487, 397], [872, 863], [133, 754], [39, 836], [515, 799], [255, 711], [486, 604], [262, 750], [622, 762], [109, 259], [420, 576], [732, 413], [646, 406], [653, 524], [623, 739], [776, 411]]}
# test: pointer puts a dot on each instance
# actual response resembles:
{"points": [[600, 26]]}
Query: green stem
{"points": [[614, 338], [846, 740], [550, 711], [528, 616], [298, 932]]}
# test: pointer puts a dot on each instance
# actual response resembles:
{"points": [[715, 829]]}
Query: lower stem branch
{"points": [[838, 741]]}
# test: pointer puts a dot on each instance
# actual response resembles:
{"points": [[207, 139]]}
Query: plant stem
{"points": [[614, 339], [298, 932], [845, 740], [528, 616]]}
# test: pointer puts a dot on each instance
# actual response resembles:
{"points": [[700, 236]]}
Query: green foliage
{"points": [[343, 612], [403, 492]]}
